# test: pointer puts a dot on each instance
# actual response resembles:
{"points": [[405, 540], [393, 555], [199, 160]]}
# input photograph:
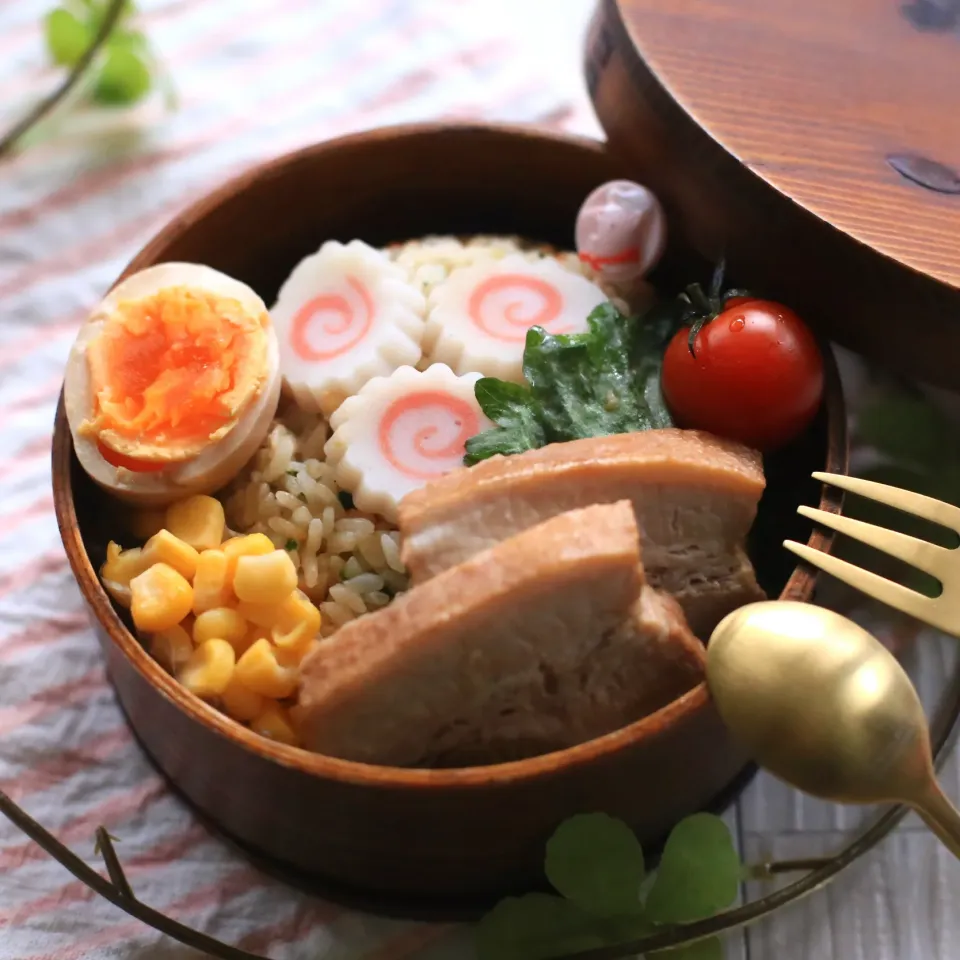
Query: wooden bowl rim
{"points": [[346, 771]]}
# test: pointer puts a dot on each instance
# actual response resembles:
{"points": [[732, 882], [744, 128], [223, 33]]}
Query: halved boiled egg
{"points": [[172, 383]]}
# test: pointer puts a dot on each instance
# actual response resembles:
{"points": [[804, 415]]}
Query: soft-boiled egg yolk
{"points": [[171, 373]]}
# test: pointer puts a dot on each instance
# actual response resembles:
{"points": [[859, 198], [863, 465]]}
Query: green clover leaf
{"points": [[125, 70], [535, 927], [597, 862], [67, 36], [699, 872], [907, 429], [124, 77]]}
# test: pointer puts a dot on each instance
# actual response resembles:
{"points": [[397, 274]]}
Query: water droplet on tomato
{"points": [[737, 324]]}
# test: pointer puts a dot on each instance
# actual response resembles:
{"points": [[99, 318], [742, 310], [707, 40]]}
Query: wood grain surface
{"points": [[814, 143]]}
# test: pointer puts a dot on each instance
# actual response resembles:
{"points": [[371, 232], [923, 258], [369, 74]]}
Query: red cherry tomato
{"points": [[738, 301], [757, 376]]}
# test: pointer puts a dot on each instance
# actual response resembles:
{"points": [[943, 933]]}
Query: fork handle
{"points": [[941, 816]]}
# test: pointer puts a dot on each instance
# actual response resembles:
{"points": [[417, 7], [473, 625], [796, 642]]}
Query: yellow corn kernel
{"points": [[267, 578], [296, 617], [254, 633], [291, 647], [274, 722], [160, 598], [119, 591], [211, 588], [198, 521], [171, 648], [299, 611], [258, 670], [208, 671], [252, 545], [288, 657], [265, 615], [222, 622], [241, 646], [164, 547], [295, 628], [296, 655], [143, 524], [122, 565], [240, 703]]}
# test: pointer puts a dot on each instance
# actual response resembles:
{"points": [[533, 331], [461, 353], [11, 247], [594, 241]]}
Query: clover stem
{"points": [[10, 139]]}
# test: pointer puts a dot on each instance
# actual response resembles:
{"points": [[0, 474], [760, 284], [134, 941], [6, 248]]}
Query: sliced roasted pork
{"points": [[547, 639], [695, 497]]}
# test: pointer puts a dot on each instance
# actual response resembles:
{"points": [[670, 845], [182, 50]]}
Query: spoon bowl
{"points": [[822, 704]]}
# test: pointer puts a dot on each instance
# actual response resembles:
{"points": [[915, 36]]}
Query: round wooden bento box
{"points": [[415, 840]]}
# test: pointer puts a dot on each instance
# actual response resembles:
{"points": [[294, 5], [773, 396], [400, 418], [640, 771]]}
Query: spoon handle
{"points": [[941, 816]]}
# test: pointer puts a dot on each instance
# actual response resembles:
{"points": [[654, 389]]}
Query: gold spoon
{"points": [[823, 705]]}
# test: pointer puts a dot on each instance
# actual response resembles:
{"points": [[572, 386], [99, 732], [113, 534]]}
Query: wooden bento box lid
{"points": [[814, 142]]}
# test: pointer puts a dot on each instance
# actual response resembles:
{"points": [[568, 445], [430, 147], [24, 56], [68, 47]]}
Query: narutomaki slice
{"points": [[478, 318], [400, 432], [695, 497], [546, 640], [345, 314]]}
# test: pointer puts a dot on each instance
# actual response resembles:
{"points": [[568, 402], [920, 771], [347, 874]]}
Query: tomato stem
{"points": [[695, 329], [698, 299], [701, 308]]}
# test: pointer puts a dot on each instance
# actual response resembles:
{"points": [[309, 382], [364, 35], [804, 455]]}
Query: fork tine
{"points": [[916, 503], [880, 588], [919, 553]]}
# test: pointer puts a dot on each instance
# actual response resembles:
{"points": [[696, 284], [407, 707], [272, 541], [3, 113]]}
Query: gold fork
{"points": [[943, 563]]}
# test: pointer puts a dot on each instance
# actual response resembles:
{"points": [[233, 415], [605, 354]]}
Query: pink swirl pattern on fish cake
{"points": [[501, 306], [346, 325], [423, 435]]}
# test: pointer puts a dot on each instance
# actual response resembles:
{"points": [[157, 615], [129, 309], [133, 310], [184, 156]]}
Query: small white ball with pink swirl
{"points": [[401, 431], [478, 318], [346, 314]]}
